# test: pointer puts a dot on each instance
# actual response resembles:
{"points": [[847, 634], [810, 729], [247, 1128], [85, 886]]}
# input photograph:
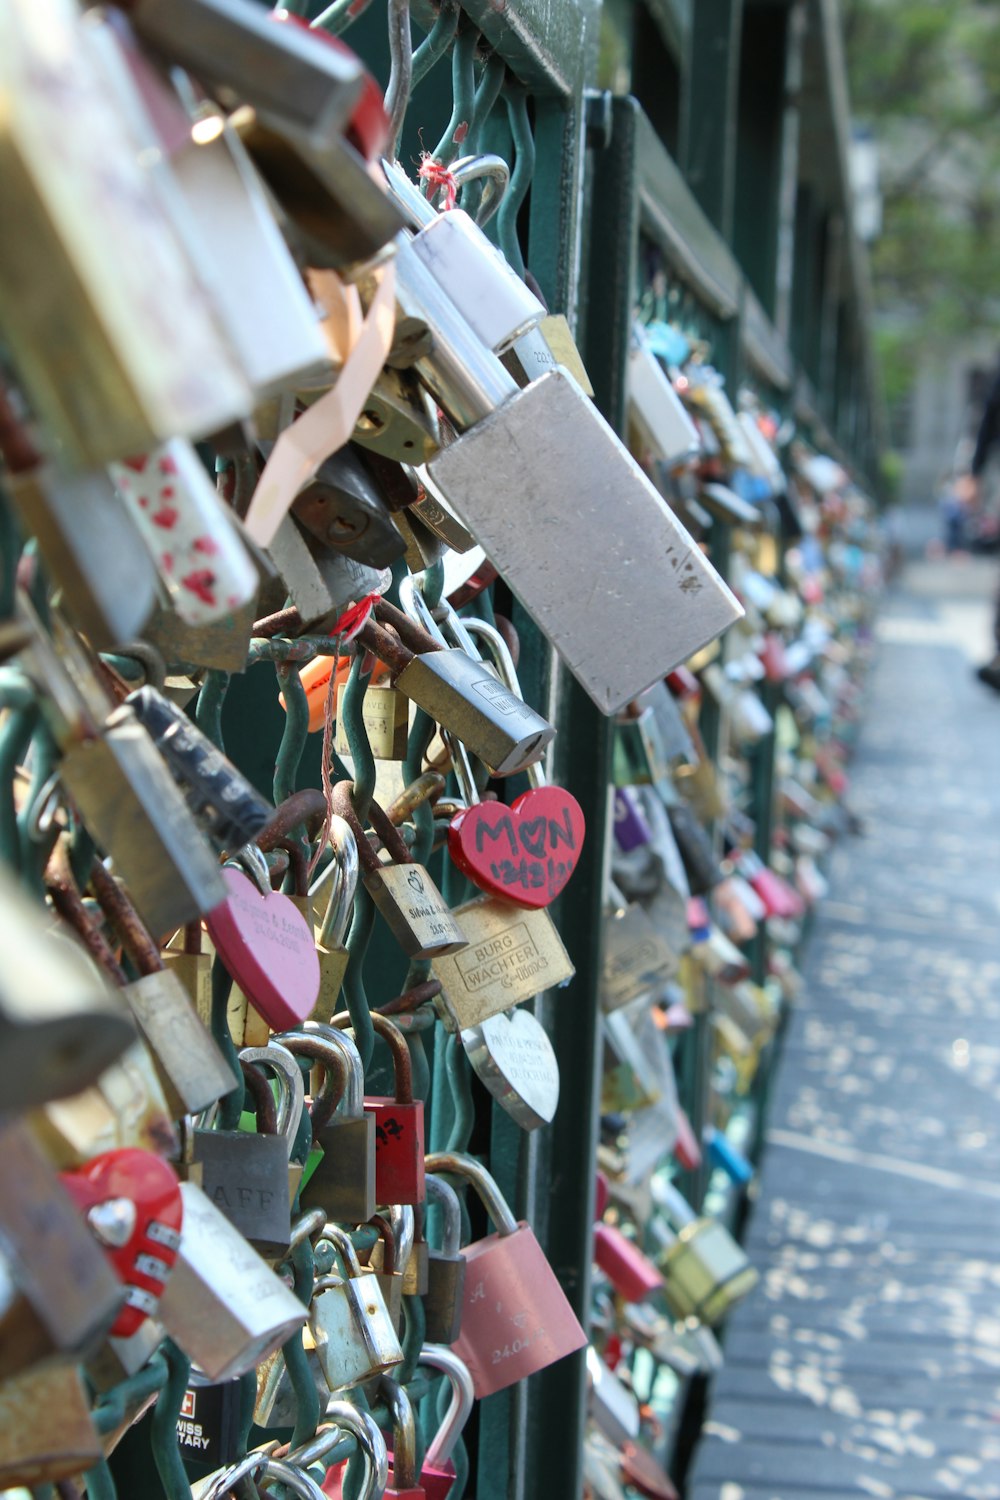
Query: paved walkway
{"points": [[868, 1361]]}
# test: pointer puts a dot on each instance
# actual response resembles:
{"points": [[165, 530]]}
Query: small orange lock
{"points": [[315, 678]]}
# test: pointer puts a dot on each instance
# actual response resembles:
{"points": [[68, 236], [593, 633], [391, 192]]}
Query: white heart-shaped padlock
{"points": [[515, 1060]]}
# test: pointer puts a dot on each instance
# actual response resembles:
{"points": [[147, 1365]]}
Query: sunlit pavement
{"points": [[868, 1360]]}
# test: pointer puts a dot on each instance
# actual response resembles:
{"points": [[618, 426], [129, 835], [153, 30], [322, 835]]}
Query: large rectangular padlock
{"points": [[513, 954], [553, 459], [516, 1318]]}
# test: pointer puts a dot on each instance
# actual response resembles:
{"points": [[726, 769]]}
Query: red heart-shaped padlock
{"points": [[267, 945], [526, 852], [132, 1201]]}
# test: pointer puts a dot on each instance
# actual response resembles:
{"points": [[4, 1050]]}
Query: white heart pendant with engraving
{"points": [[514, 1059]]}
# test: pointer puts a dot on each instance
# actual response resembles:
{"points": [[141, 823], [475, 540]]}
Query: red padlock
{"points": [[438, 1473], [779, 898], [399, 1126], [687, 1151], [132, 1202], [516, 1318], [630, 1272]]}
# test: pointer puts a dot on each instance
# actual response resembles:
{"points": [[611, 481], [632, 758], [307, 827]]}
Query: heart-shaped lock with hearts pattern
{"points": [[267, 945], [525, 852], [132, 1201]]}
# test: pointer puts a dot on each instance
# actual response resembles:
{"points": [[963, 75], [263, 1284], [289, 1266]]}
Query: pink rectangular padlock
{"points": [[516, 1318], [630, 1272]]}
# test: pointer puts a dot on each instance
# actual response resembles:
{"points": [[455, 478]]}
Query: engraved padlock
{"points": [[343, 1180], [245, 1173], [413, 907], [465, 695], [385, 713], [516, 440], [223, 1304], [191, 1068], [354, 1335], [515, 1061], [445, 1267], [516, 1318], [437, 1473]]}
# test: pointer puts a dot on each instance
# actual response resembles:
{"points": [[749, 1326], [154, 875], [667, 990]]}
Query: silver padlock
{"points": [[498, 306], [531, 475], [612, 1405], [354, 1335], [655, 407], [321, 583], [223, 1304]]}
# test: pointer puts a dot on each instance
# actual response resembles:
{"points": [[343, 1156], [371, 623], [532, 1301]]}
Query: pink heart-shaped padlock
{"points": [[524, 853], [266, 944]]}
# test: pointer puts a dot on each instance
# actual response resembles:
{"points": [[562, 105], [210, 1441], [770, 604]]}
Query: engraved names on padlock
{"points": [[514, 959], [529, 849], [515, 1060]]}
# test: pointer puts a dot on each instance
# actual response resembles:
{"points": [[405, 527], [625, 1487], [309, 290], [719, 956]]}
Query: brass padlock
{"points": [[46, 1433], [635, 957], [386, 716], [512, 955], [343, 1181], [706, 1272], [445, 1267], [190, 1065], [413, 907]]}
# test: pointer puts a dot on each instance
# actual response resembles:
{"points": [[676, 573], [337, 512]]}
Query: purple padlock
{"points": [[631, 828]]}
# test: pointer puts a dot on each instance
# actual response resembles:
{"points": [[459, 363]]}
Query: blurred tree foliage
{"points": [[925, 76]]}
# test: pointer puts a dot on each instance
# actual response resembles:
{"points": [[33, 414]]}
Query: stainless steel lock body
{"points": [[575, 505]]}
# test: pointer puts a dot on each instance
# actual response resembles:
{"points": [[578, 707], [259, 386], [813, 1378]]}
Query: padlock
{"points": [[632, 1274], [398, 422], [635, 959], [413, 907], [136, 812], [655, 408], [611, 1404], [60, 1294], [343, 1180], [223, 1304], [413, 1251], [384, 1265], [705, 1271], [228, 807], [192, 1070], [265, 943], [630, 828], [521, 438], [185, 955], [132, 1203], [513, 1058], [385, 713], [402, 1480], [321, 584], [354, 1335], [457, 689], [487, 291], [61, 1025], [119, 1359], [399, 1125], [93, 353], [46, 1432], [344, 510], [516, 1318], [445, 1267], [208, 1425], [91, 549], [245, 1173], [437, 1474], [261, 1465], [527, 852], [543, 348]]}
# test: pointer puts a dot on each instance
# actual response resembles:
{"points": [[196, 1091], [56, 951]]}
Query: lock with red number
{"points": [[132, 1202], [399, 1126]]}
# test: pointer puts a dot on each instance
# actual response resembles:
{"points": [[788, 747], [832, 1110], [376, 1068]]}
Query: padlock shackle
{"points": [[427, 787], [443, 1194], [307, 1227], [284, 1067], [354, 1091], [417, 613], [404, 1227], [343, 1243], [402, 1062], [418, 633], [390, 837], [65, 896], [362, 1427], [385, 645], [503, 660], [336, 1071], [387, 1235], [347, 866], [307, 806], [442, 1444], [125, 921], [492, 1198], [404, 1434], [298, 863]]}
